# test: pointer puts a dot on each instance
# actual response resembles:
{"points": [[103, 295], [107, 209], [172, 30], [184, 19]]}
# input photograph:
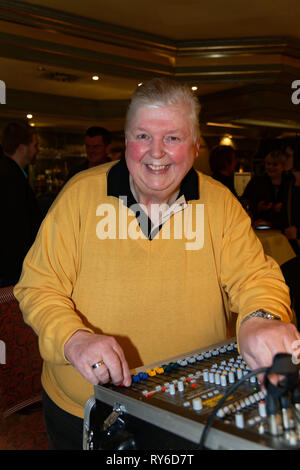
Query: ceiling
{"points": [[242, 56]]}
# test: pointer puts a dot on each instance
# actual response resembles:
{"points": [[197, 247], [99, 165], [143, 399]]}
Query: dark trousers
{"points": [[65, 431]]}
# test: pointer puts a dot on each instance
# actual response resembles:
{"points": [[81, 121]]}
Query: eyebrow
{"points": [[145, 130]]}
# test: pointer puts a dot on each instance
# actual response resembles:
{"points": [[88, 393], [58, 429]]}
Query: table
{"points": [[276, 245]]}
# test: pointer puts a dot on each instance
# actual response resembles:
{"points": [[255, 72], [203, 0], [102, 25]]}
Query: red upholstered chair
{"points": [[20, 375]]}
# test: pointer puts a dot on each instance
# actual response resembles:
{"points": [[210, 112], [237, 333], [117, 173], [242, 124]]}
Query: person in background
{"points": [[108, 270], [97, 143], [292, 168], [20, 215], [223, 163], [267, 194], [271, 202]]}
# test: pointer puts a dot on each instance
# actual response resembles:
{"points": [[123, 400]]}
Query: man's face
{"points": [[273, 167], [160, 150], [31, 150], [96, 150]]}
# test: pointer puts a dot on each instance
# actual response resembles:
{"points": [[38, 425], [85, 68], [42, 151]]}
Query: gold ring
{"points": [[98, 364]]}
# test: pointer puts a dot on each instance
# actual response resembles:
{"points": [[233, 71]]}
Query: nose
{"points": [[157, 148]]}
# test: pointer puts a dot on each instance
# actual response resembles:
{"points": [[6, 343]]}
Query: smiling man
{"points": [[104, 305]]}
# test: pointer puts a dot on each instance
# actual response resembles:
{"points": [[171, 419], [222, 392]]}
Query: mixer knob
{"points": [[217, 378], [205, 375], [180, 386], [239, 420], [262, 409], [197, 404], [191, 360], [211, 377], [231, 377], [223, 380]]}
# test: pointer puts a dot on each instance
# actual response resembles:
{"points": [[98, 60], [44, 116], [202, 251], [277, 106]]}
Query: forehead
{"points": [[273, 161], [97, 140], [162, 117]]}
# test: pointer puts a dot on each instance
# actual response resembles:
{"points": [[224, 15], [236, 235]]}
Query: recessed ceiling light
{"points": [[194, 88], [140, 84], [95, 77], [29, 116], [32, 124]]}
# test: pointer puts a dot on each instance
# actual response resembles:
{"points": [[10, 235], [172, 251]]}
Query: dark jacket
{"points": [[226, 180], [260, 188], [20, 220]]}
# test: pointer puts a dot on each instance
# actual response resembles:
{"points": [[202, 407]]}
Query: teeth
{"points": [[157, 167]]}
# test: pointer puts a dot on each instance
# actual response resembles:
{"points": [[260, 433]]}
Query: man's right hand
{"points": [[83, 349]]}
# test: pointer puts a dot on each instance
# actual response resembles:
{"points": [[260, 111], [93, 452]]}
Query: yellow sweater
{"points": [[158, 297]]}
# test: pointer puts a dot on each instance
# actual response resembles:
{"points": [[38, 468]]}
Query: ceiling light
{"points": [[32, 124], [194, 88], [226, 140], [29, 116], [95, 77], [140, 84], [224, 124]]}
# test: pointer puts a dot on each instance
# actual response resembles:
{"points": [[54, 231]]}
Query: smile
{"points": [[158, 167]]}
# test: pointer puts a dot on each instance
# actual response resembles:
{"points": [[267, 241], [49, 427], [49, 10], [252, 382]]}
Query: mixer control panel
{"points": [[180, 394]]}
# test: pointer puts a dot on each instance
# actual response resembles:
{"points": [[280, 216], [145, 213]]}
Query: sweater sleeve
{"points": [[251, 279], [49, 272]]}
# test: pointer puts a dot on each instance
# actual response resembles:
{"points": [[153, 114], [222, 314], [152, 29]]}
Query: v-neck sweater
{"points": [[92, 267]]}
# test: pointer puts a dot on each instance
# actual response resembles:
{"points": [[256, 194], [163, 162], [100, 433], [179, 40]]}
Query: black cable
{"points": [[222, 401]]}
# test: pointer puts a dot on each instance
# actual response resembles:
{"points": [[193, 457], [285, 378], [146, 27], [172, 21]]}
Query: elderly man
{"points": [[134, 263]]}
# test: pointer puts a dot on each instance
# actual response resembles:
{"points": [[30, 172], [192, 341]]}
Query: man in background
{"points": [[97, 142], [223, 163], [20, 215]]}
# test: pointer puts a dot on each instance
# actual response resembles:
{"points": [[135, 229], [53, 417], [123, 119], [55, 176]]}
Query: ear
{"points": [[22, 149], [108, 148], [197, 148]]}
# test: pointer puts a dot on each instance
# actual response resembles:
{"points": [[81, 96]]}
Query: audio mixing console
{"points": [[169, 405]]}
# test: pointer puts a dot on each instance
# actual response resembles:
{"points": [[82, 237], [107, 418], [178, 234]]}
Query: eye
{"points": [[172, 139], [142, 136]]}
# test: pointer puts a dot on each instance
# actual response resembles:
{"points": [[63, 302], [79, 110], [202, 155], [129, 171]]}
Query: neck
{"points": [[92, 164], [18, 159], [276, 181], [149, 201]]}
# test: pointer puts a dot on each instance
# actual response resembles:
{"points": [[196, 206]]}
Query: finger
{"points": [[102, 374], [125, 368], [114, 367], [88, 373]]}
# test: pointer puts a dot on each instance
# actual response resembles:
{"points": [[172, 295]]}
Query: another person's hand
{"points": [[83, 349], [261, 339]]}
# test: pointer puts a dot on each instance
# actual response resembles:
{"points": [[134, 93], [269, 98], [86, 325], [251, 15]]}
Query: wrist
{"points": [[74, 337], [261, 314]]}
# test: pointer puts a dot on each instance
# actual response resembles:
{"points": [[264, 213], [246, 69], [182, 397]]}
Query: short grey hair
{"points": [[159, 92]]}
